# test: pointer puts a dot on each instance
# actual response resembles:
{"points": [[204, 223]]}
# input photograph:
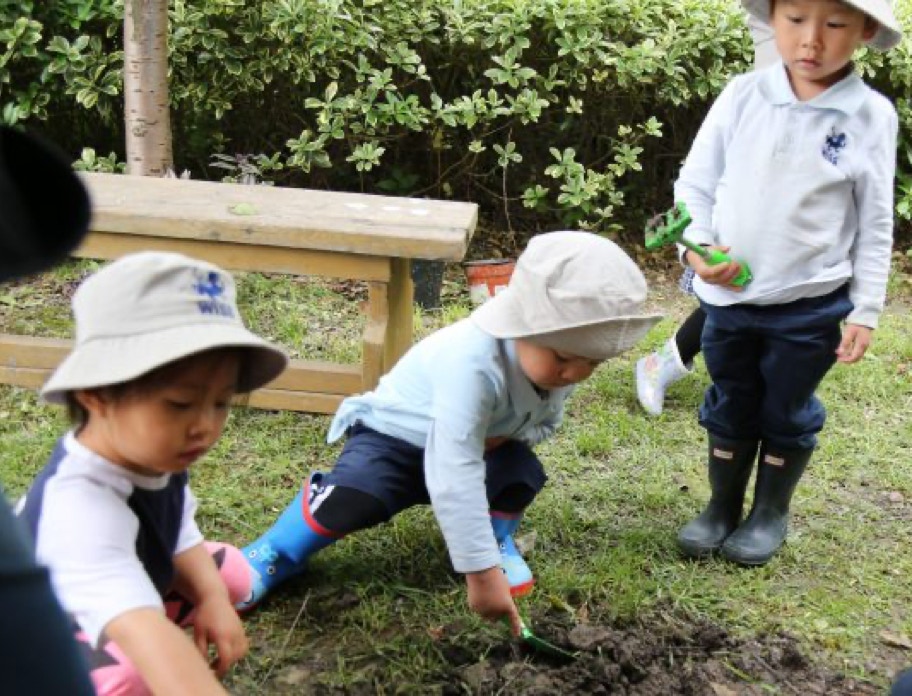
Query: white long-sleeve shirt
{"points": [[803, 191], [447, 394]]}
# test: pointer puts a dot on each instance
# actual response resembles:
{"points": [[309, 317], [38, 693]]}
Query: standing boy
{"points": [[792, 170]]}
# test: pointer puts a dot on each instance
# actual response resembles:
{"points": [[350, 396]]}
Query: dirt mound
{"points": [[649, 659]]}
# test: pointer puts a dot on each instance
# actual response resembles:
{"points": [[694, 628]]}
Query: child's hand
{"points": [[854, 344], [718, 274], [489, 596], [163, 654], [217, 623]]}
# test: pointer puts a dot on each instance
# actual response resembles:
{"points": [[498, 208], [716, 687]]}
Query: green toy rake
{"points": [[668, 228], [540, 645]]}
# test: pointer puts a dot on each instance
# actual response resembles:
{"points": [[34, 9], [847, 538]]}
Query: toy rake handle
{"points": [[714, 256], [701, 251], [711, 256]]}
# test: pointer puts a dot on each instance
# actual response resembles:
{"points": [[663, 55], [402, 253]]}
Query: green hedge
{"points": [[546, 112]]}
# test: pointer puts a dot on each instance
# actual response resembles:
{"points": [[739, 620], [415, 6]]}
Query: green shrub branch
{"points": [[546, 112]]}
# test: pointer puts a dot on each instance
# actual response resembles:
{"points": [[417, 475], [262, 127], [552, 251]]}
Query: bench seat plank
{"points": [[241, 257], [413, 228]]}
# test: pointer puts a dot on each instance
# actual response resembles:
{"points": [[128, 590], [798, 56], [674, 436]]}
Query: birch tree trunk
{"points": [[146, 113]]}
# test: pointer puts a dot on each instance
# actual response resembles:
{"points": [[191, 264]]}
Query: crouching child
{"points": [[455, 422]]}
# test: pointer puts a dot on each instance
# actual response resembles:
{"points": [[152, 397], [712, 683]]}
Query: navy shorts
{"points": [[392, 470]]}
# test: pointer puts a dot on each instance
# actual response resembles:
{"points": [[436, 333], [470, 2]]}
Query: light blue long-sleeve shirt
{"points": [[803, 191], [447, 394]]}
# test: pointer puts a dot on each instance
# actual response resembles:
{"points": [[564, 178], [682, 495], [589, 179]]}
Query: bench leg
{"points": [[399, 331], [375, 332]]}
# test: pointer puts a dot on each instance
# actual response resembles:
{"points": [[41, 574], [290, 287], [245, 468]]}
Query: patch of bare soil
{"points": [[649, 659]]}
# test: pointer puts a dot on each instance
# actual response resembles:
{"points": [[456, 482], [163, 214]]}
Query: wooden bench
{"points": [[273, 230]]}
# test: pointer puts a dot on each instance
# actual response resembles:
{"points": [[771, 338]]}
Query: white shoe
{"points": [[656, 372]]}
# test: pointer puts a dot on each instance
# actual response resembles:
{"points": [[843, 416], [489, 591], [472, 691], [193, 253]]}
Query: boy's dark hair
{"points": [[147, 383]]}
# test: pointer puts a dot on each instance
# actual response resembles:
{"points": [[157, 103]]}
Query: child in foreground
{"points": [[454, 423], [792, 170], [160, 351]]}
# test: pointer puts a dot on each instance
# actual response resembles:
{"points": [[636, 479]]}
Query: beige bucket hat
{"points": [[888, 34], [575, 292], [149, 309]]}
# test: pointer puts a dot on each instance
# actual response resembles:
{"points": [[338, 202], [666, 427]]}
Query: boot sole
{"points": [[697, 551], [523, 589], [748, 562]]}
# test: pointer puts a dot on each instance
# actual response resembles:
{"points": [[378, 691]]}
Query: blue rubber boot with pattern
{"points": [[518, 573], [284, 549]]}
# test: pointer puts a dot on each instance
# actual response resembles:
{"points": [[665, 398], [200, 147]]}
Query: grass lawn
{"points": [[382, 611]]}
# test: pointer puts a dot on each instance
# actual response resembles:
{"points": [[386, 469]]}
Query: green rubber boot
{"points": [[730, 465], [764, 531]]}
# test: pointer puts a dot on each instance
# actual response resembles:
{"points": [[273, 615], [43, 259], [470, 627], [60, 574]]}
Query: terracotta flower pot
{"points": [[487, 277]]}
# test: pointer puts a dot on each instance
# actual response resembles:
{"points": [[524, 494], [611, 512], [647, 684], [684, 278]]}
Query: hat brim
{"points": [[108, 361], [887, 36], [598, 339], [601, 341]]}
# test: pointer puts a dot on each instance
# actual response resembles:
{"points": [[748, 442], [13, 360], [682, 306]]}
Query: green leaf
{"points": [[243, 209]]}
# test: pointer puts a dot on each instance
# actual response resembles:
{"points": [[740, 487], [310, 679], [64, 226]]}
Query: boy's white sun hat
{"points": [[888, 34], [149, 309], [575, 292]]}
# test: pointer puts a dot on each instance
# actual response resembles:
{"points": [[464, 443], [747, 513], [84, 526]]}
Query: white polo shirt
{"points": [[803, 191]]}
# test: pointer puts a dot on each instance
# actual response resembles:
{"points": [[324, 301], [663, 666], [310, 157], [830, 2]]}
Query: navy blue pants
{"points": [[392, 470], [903, 684], [766, 363]]}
